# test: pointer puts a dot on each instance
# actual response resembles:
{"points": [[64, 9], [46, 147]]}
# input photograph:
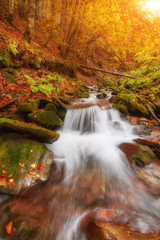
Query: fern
{"points": [[30, 79], [12, 47]]}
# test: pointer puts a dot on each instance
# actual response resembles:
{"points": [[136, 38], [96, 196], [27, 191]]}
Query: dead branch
{"points": [[107, 71], [149, 109]]}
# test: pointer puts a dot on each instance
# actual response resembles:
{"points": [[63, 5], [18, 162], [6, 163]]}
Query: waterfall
{"points": [[98, 173]]}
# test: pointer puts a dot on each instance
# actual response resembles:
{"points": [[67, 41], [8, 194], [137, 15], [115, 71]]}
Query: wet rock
{"points": [[101, 95], [30, 106], [46, 118], [23, 162], [111, 231], [152, 144], [31, 130], [117, 125], [139, 154]]}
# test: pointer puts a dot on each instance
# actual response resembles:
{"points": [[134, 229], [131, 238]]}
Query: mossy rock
{"points": [[122, 108], [81, 94], [31, 130], [132, 103], [139, 154], [16, 116], [63, 100], [30, 106], [21, 158], [46, 118], [58, 103], [51, 106], [143, 156]]}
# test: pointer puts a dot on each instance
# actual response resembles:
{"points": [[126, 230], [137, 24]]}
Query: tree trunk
{"points": [[29, 32], [11, 6]]}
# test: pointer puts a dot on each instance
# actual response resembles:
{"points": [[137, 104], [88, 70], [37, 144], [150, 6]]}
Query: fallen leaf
{"points": [[9, 227], [11, 180], [33, 165], [10, 175], [4, 171], [3, 166]]}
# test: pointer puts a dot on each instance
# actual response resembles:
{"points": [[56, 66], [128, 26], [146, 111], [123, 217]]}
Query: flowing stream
{"points": [[98, 174], [91, 181]]}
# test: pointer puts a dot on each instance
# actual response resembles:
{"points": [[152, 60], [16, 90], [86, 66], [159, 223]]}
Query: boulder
{"points": [[46, 118], [31, 130], [51, 106], [30, 106], [23, 162], [155, 146], [139, 154]]}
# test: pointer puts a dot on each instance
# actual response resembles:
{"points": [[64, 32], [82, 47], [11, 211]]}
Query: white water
{"points": [[93, 134]]}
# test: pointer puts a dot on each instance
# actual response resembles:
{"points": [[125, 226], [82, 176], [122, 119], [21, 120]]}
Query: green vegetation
{"points": [[49, 85]]}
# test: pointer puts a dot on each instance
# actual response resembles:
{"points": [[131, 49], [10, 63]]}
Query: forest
{"points": [[80, 119]]}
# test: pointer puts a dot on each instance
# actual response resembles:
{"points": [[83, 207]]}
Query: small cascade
{"points": [[98, 173]]}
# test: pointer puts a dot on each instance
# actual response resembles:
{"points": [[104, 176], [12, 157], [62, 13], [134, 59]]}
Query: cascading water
{"points": [[98, 173], [91, 181]]}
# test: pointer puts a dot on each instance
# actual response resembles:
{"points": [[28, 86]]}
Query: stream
{"points": [[91, 180]]}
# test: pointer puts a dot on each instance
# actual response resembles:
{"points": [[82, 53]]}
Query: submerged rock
{"points": [[139, 154], [23, 162], [38, 133], [46, 118]]}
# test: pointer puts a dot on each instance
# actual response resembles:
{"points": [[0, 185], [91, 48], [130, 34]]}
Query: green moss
{"points": [[81, 94], [143, 156], [5, 60], [30, 106], [17, 151], [122, 108], [14, 116], [42, 134], [51, 106], [133, 103], [47, 118]]}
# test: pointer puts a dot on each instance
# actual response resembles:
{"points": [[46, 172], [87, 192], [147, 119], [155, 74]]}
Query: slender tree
{"points": [[29, 32]]}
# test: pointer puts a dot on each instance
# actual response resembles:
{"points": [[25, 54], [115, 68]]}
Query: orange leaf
{"points": [[4, 171], [3, 166], [10, 175], [9, 227]]}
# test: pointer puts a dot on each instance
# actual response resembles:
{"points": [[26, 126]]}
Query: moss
{"points": [[143, 156], [81, 94], [133, 103], [14, 117], [47, 118], [51, 106], [30, 106], [122, 108], [35, 132], [17, 153], [58, 103], [5, 60]]}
